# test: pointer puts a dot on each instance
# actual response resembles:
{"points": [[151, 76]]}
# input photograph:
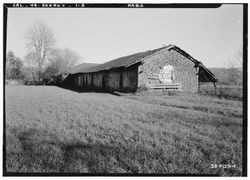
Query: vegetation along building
{"points": [[167, 67]]}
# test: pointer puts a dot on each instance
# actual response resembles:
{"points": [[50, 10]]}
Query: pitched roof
{"points": [[205, 75], [80, 67], [120, 62], [127, 61]]}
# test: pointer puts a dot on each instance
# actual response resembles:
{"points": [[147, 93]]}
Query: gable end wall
{"points": [[184, 70]]}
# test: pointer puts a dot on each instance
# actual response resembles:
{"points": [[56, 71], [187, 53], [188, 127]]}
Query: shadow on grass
{"points": [[39, 150], [81, 90]]}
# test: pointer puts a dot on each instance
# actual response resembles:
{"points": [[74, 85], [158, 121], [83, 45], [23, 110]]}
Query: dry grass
{"points": [[50, 129], [223, 91]]}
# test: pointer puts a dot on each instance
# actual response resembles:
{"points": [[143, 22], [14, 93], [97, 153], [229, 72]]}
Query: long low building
{"points": [[167, 67]]}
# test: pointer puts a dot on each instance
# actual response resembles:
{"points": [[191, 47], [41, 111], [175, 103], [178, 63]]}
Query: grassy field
{"points": [[223, 91], [49, 129]]}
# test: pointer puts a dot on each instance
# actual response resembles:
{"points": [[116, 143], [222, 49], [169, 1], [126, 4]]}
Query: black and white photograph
{"points": [[124, 89]]}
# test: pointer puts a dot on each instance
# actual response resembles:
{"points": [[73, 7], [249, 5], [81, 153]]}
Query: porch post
{"points": [[215, 87], [199, 86]]}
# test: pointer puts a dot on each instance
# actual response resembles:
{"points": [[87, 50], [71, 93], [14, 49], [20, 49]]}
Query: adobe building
{"points": [[164, 68]]}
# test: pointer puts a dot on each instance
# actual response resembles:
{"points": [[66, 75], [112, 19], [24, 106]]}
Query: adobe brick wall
{"points": [[184, 70]]}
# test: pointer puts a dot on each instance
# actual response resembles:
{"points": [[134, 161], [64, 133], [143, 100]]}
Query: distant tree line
{"points": [[232, 72], [235, 66], [228, 75], [14, 67], [44, 61]]}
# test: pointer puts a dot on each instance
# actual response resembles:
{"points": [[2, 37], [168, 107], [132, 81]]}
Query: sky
{"points": [[98, 35]]}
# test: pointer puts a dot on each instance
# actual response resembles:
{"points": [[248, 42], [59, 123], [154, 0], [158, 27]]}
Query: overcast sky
{"points": [[99, 35]]}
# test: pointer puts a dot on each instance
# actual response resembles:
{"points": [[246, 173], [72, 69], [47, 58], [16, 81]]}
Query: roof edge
{"points": [[166, 48]]}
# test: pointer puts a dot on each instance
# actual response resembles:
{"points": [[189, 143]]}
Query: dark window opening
{"points": [[103, 83], [121, 81], [92, 81], [83, 80]]}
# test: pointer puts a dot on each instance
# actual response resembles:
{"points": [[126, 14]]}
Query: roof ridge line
{"points": [[149, 56]]}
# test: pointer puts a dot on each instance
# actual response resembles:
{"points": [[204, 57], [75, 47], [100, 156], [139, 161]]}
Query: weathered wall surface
{"points": [[97, 80], [123, 80], [112, 80], [183, 68], [130, 79]]}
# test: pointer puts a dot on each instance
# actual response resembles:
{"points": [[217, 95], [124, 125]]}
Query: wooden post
{"points": [[83, 81], [121, 82], [103, 83], [215, 87], [199, 86], [92, 81], [198, 73]]}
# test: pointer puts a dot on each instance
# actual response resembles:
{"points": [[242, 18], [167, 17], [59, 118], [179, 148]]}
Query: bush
{"points": [[142, 89], [14, 82], [170, 92], [14, 66]]}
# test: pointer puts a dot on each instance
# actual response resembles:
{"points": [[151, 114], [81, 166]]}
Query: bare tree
{"points": [[40, 40], [235, 63], [30, 59], [239, 54], [64, 59]]}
